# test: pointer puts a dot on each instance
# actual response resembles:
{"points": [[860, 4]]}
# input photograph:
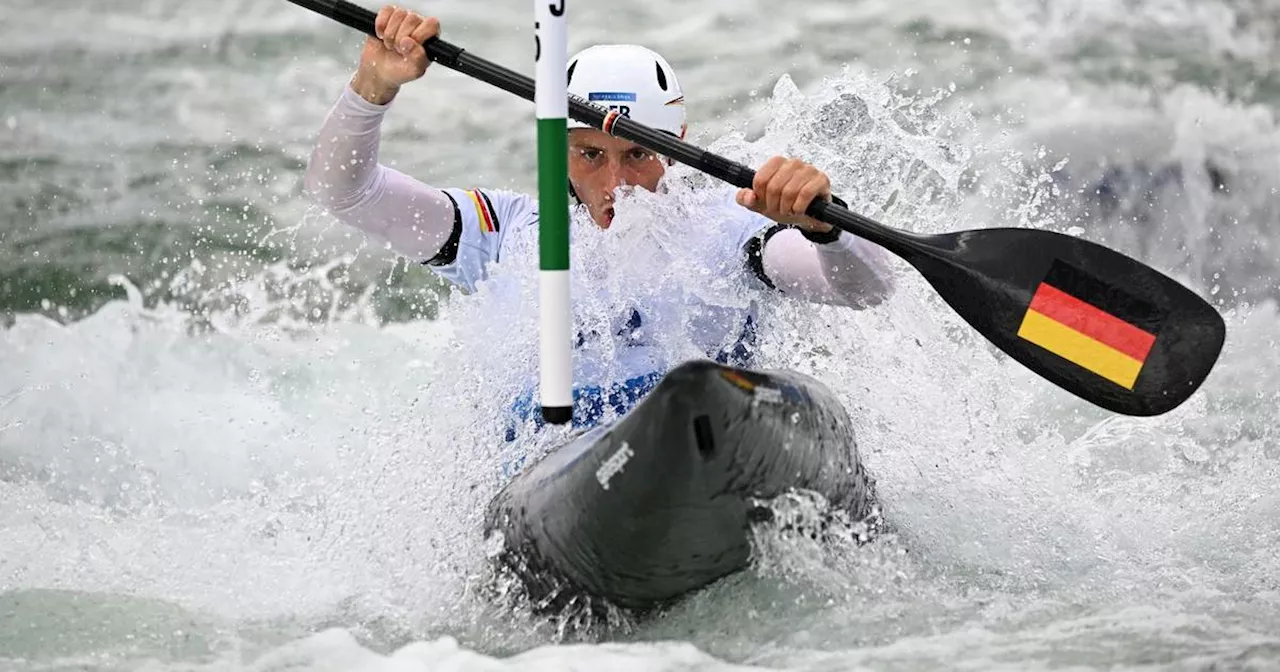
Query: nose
{"points": [[619, 176]]}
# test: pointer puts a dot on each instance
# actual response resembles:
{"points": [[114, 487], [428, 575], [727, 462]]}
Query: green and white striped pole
{"points": [[551, 99]]}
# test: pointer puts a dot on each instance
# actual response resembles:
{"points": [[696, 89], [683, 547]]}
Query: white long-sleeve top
{"points": [[462, 234]]}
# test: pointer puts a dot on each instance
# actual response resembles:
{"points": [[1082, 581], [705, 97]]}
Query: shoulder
{"points": [[483, 218], [490, 211]]}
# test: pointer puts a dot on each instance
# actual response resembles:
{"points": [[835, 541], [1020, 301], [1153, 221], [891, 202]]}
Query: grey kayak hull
{"points": [[658, 504]]}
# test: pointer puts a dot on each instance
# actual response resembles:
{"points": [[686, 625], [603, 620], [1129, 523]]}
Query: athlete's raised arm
{"points": [[344, 174]]}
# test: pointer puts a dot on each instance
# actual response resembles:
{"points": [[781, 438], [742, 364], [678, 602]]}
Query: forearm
{"points": [[848, 271], [344, 175]]}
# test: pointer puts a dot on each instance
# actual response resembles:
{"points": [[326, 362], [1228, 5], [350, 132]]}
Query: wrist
{"points": [[368, 86], [830, 235], [823, 233]]}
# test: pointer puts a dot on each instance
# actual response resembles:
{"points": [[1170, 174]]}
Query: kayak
{"points": [[658, 504]]}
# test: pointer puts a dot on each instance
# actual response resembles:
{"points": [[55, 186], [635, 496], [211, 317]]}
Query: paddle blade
{"points": [[1095, 322]]}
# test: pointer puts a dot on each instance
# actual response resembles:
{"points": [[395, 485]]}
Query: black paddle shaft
{"points": [[456, 58]]}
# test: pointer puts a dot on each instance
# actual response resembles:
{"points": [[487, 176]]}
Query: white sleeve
{"points": [[848, 271], [344, 175], [484, 217]]}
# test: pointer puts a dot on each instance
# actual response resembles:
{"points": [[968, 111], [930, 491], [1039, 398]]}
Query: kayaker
{"points": [[461, 233]]}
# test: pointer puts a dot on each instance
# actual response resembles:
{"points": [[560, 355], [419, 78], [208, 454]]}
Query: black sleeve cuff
{"points": [[829, 237], [821, 238], [755, 252], [449, 252]]}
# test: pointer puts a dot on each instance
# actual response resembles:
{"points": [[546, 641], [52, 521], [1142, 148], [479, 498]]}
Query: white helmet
{"points": [[631, 79]]}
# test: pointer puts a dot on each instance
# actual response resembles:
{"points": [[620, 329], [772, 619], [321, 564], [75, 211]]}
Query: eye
{"points": [[589, 153], [641, 154]]}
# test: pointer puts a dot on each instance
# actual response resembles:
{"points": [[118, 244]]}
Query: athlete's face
{"points": [[599, 163]]}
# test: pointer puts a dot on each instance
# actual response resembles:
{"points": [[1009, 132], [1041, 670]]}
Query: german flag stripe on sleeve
{"points": [[1092, 324], [484, 211]]}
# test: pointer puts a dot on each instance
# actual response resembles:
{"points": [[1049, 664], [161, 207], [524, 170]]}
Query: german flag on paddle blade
{"points": [[1093, 324]]}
